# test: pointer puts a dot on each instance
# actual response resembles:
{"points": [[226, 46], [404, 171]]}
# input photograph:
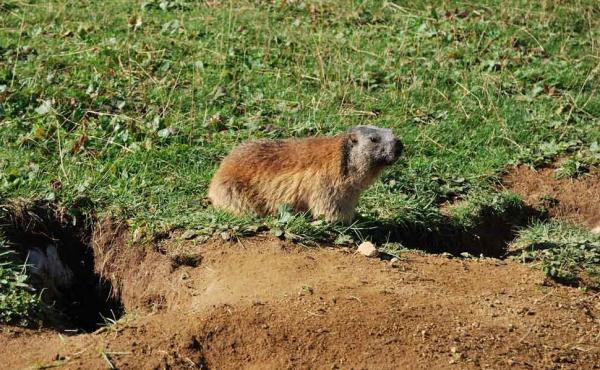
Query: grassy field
{"points": [[125, 108]]}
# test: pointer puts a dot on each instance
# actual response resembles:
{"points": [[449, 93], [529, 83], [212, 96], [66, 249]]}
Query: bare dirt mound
{"points": [[268, 304], [576, 200]]}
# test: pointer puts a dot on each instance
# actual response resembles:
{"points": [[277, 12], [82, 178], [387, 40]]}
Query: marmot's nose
{"points": [[398, 147]]}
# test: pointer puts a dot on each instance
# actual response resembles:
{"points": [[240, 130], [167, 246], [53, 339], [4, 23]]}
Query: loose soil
{"points": [[262, 303], [576, 200]]}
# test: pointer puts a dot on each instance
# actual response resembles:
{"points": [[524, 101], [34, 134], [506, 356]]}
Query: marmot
{"points": [[324, 175]]}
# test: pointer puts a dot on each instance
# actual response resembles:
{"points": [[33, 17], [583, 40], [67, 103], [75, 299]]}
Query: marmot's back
{"points": [[263, 175], [324, 175]]}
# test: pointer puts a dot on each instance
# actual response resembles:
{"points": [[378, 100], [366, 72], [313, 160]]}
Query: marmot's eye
{"points": [[374, 139]]}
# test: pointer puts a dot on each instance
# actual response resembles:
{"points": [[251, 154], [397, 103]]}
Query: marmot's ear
{"points": [[347, 144], [352, 138]]}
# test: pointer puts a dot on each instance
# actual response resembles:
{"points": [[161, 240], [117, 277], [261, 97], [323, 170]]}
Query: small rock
{"points": [[368, 249], [226, 235], [307, 289], [277, 232], [596, 230], [395, 262], [138, 234], [189, 234]]}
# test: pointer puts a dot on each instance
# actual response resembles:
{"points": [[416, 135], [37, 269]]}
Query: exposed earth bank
{"points": [[269, 304]]}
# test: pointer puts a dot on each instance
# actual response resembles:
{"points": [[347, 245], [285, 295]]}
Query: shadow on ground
{"points": [[488, 234]]}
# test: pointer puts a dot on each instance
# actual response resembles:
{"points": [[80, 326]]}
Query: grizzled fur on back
{"points": [[323, 175]]}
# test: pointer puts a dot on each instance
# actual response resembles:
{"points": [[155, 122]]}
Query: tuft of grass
{"points": [[579, 163], [565, 252], [19, 304], [501, 206], [299, 227]]}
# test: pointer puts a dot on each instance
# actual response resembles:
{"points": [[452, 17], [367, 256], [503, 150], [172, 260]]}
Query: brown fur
{"points": [[312, 174]]}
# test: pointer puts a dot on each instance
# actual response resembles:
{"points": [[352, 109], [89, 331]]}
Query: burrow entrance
{"points": [[489, 232], [60, 262]]}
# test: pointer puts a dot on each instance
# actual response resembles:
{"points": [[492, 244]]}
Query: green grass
{"points": [[18, 301], [126, 108], [566, 252]]}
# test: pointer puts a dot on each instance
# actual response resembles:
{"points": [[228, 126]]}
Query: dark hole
{"points": [[88, 302], [490, 234]]}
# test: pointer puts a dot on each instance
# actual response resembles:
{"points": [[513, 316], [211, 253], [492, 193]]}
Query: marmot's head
{"points": [[371, 147]]}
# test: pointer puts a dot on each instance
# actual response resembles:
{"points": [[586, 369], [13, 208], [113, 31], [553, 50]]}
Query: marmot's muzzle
{"points": [[395, 153], [398, 148]]}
